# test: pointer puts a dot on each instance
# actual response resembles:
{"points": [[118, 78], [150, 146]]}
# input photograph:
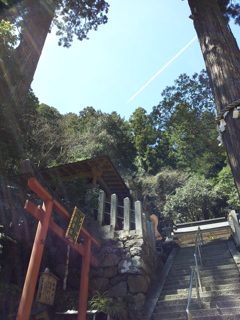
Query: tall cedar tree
{"points": [[222, 58], [34, 19]]}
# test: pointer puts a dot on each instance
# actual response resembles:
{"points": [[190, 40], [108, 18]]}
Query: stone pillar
{"points": [[127, 215], [101, 206], [113, 214], [233, 220], [144, 224], [138, 218], [151, 234]]}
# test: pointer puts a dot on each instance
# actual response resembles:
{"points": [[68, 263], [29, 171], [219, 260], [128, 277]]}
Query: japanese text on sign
{"points": [[75, 225]]}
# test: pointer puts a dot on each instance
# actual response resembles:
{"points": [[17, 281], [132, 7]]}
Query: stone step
{"points": [[211, 278], [180, 307], [205, 248], [220, 281], [221, 317], [211, 248], [209, 270], [207, 257], [217, 262], [211, 303], [206, 264], [214, 254], [204, 294], [229, 300], [204, 282], [196, 313], [208, 288], [219, 267]]}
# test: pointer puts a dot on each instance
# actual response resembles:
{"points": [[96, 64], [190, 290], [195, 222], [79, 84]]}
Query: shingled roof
{"points": [[99, 170]]}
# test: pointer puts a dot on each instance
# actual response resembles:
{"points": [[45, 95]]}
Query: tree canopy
{"points": [[158, 150]]}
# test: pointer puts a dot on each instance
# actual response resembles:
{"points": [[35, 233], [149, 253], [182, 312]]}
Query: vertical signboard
{"points": [[75, 225], [47, 288]]}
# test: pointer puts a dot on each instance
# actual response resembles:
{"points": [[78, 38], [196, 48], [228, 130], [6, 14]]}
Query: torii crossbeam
{"points": [[43, 215]]}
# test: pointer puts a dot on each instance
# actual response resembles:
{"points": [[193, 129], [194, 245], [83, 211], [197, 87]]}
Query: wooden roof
{"points": [[100, 170]]}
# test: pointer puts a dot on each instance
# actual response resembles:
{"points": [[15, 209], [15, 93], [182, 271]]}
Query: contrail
{"points": [[166, 65]]}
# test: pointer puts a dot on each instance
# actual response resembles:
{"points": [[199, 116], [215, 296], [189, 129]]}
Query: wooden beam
{"points": [[39, 189], [57, 207], [61, 211], [34, 264], [38, 213], [76, 246], [34, 210], [84, 282]]}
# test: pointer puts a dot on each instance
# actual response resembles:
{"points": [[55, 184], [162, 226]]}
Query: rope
{"points": [[227, 108], [66, 269]]}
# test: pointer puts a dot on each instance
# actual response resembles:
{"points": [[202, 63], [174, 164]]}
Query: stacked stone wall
{"points": [[128, 267]]}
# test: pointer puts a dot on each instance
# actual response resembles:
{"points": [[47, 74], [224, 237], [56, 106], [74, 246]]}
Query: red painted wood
{"points": [[62, 212], [82, 306], [34, 264], [35, 211], [44, 194], [46, 222], [39, 190], [38, 213]]}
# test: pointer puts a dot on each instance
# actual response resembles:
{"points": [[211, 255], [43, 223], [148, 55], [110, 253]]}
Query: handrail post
{"points": [[198, 274], [196, 284], [200, 255], [189, 315], [198, 244], [195, 274], [201, 238]]}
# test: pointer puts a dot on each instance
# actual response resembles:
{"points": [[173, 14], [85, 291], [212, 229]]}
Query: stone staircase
{"points": [[220, 298]]}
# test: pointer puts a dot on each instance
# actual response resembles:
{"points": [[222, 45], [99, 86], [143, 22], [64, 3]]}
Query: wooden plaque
{"points": [[75, 225], [47, 287]]}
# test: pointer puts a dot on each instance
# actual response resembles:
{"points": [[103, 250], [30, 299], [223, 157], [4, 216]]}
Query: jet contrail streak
{"points": [[166, 65]]}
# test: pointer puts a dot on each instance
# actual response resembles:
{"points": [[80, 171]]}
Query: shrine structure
{"points": [[43, 214]]}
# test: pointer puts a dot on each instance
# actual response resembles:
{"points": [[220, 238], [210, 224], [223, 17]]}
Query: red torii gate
{"points": [[43, 215]]}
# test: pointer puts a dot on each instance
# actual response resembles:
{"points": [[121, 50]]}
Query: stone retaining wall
{"points": [[128, 266]]}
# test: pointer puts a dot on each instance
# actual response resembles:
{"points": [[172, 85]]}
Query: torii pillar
{"points": [[43, 214]]}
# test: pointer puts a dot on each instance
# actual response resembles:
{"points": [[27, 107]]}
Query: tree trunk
{"points": [[222, 59], [35, 29]]}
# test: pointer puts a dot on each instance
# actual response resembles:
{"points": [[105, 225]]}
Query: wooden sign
{"points": [[75, 225], [47, 288]]}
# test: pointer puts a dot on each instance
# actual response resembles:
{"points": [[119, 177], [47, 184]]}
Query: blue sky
{"points": [[107, 70]]}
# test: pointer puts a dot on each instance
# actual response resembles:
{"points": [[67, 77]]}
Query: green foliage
{"points": [[180, 132], [157, 187], [144, 137], [104, 134], [66, 300], [186, 122], [224, 185], [72, 18], [6, 4], [113, 307], [8, 37], [195, 92], [195, 200], [9, 297], [77, 18], [230, 9]]}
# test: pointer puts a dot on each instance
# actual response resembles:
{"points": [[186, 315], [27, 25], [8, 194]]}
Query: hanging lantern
{"points": [[47, 287]]}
